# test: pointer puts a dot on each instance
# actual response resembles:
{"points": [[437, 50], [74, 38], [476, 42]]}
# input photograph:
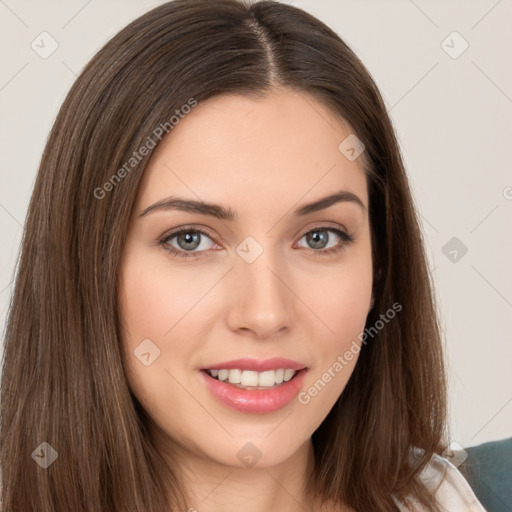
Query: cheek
{"points": [[148, 307], [156, 296], [148, 304], [339, 296], [153, 308], [337, 346], [161, 302], [340, 301]]}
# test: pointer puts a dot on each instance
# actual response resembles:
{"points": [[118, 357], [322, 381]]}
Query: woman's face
{"points": [[275, 279]]}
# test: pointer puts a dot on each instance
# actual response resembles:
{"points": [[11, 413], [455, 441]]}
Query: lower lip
{"points": [[255, 401]]}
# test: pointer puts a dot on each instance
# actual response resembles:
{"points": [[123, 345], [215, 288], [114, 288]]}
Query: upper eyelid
{"points": [[173, 233], [327, 225]]}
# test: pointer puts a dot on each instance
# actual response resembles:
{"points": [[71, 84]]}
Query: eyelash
{"points": [[163, 242]]}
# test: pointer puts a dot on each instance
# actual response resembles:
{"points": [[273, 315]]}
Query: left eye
{"points": [[318, 238]]}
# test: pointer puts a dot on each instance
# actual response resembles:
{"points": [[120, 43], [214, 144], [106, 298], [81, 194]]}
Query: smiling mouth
{"points": [[252, 380], [253, 392]]}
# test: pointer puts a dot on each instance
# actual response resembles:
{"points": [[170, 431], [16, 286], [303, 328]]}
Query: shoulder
{"points": [[451, 489]]}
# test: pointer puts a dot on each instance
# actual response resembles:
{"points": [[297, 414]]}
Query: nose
{"points": [[261, 300]]}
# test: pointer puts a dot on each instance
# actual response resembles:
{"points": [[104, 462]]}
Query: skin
{"points": [[262, 158]]}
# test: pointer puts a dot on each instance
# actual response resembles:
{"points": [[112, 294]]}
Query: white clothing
{"points": [[454, 494]]}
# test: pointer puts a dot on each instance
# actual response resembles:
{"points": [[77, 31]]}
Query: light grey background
{"points": [[453, 118]]}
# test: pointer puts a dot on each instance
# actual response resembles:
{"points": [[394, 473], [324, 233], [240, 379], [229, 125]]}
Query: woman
{"points": [[223, 298]]}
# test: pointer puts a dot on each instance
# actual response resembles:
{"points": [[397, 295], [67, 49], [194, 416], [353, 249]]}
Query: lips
{"points": [[257, 365], [259, 400]]}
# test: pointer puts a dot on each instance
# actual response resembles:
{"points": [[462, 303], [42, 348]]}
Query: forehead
{"points": [[284, 145]]}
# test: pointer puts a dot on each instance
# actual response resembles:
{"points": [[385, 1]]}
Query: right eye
{"points": [[188, 242]]}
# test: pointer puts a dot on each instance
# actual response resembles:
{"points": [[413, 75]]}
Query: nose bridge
{"points": [[261, 300]]}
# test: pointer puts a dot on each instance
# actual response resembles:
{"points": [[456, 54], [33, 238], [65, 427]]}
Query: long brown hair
{"points": [[63, 381]]}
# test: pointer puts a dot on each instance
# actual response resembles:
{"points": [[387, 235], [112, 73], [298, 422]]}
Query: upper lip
{"points": [[257, 365]]}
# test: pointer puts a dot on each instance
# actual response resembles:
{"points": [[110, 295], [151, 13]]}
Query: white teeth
{"points": [[267, 378], [234, 376], [288, 374], [249, 378]]}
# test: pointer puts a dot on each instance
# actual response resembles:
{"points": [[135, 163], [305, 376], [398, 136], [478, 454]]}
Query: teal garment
{"points": [[488, 469]]}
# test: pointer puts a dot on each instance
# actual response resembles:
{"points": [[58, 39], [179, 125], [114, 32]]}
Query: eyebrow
{"points": [[223, 213]]}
